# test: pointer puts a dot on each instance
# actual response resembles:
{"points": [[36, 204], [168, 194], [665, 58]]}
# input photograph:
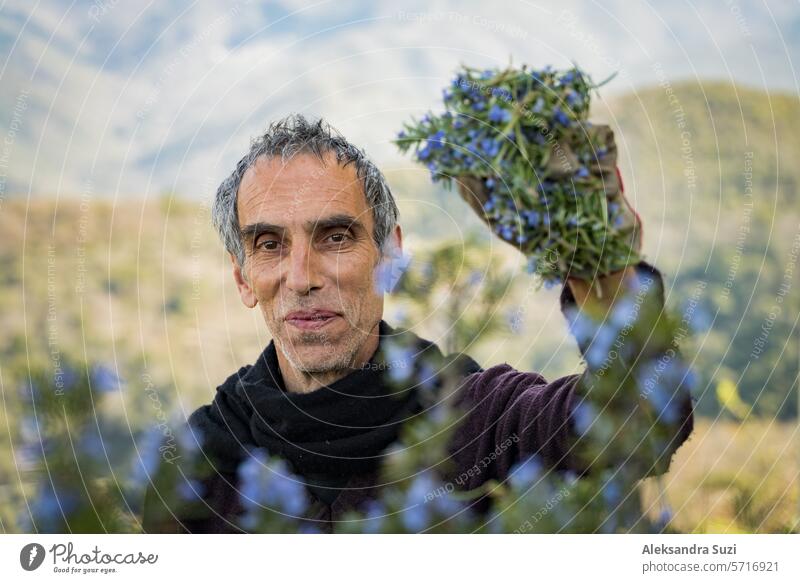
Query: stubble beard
{"points": [[331, 355]]}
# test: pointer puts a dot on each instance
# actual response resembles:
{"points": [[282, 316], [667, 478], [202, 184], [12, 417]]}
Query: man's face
{"points": [[311, 257]]}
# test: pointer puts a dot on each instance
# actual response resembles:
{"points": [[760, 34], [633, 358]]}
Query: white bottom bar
{"points": [[403, 558]]}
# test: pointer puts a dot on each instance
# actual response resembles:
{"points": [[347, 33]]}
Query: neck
{"points": [[298, 381]]}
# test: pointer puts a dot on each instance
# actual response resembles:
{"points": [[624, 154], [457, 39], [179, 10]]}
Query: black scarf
{"points": [[336, 431]]}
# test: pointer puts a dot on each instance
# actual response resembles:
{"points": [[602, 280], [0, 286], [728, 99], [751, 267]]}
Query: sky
{"points": [[113, 98]]}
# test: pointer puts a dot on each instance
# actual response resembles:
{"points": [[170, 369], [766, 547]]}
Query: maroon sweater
{"points": [[336, 437]]}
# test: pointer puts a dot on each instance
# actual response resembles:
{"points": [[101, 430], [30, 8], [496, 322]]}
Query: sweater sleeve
{"points": [[510, 415]]}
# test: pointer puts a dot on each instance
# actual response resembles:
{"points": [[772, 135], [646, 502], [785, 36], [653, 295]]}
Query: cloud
{"points": [[141, 99]]}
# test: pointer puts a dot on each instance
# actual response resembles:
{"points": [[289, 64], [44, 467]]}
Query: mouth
{"points": [[311, 319]]}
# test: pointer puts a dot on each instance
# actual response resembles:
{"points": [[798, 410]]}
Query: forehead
{"points": [[302, 189]]}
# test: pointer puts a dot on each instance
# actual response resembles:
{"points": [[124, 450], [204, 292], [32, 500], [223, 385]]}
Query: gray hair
{"points": [[285, 138]]}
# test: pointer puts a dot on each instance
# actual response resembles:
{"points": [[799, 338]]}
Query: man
{"points": [[309, 221]]}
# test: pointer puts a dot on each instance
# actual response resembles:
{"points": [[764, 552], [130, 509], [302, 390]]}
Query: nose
{"points": [[303, 271]]}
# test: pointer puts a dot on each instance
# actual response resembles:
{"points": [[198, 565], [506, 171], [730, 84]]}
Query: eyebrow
{"points": [[341, 220]]}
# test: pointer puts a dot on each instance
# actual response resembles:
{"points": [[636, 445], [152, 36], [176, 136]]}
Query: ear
{"points": [[397, 234], [245, 291]]}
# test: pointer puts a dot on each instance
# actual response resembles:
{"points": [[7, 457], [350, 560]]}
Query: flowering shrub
{"points": [[75, 461], [84, 471], [520, 148]]}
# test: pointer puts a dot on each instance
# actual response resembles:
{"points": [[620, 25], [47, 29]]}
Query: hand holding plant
{"points": [[524, 156]]}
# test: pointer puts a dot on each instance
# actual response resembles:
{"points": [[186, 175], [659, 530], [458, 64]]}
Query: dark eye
{"points": [[338, 237], [268, 244]]}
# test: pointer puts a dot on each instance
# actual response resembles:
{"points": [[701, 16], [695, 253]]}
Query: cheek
{"points": [[356, 273], [265, 284]]}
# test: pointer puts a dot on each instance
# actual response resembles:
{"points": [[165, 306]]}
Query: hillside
{"points": [[145, 282]]}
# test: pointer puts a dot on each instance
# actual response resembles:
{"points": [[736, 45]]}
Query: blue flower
{"points": [[524, 473], [105, 379], [191, 490], [532, 218], [479, 106], [427, 376], [190, 439], [699, 319], [506, 232], [29, 429], [664, 518], [28, 391], [660, 382], [499, 115], [148, 455], [399, 360], [612, 493], [582, 172], [424, 153], [267, 482], [490, 146], [446, 505], [416, 517], [624, 313], [538, 106], [52, 506], [90, 444], [437, 140], [489, 183], [250, 473], [598, 350], [286, 491], [560, 116], [583, 417], [573, 99]]}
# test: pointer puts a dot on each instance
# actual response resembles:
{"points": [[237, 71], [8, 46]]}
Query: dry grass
{"points": [[732, 478]]}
